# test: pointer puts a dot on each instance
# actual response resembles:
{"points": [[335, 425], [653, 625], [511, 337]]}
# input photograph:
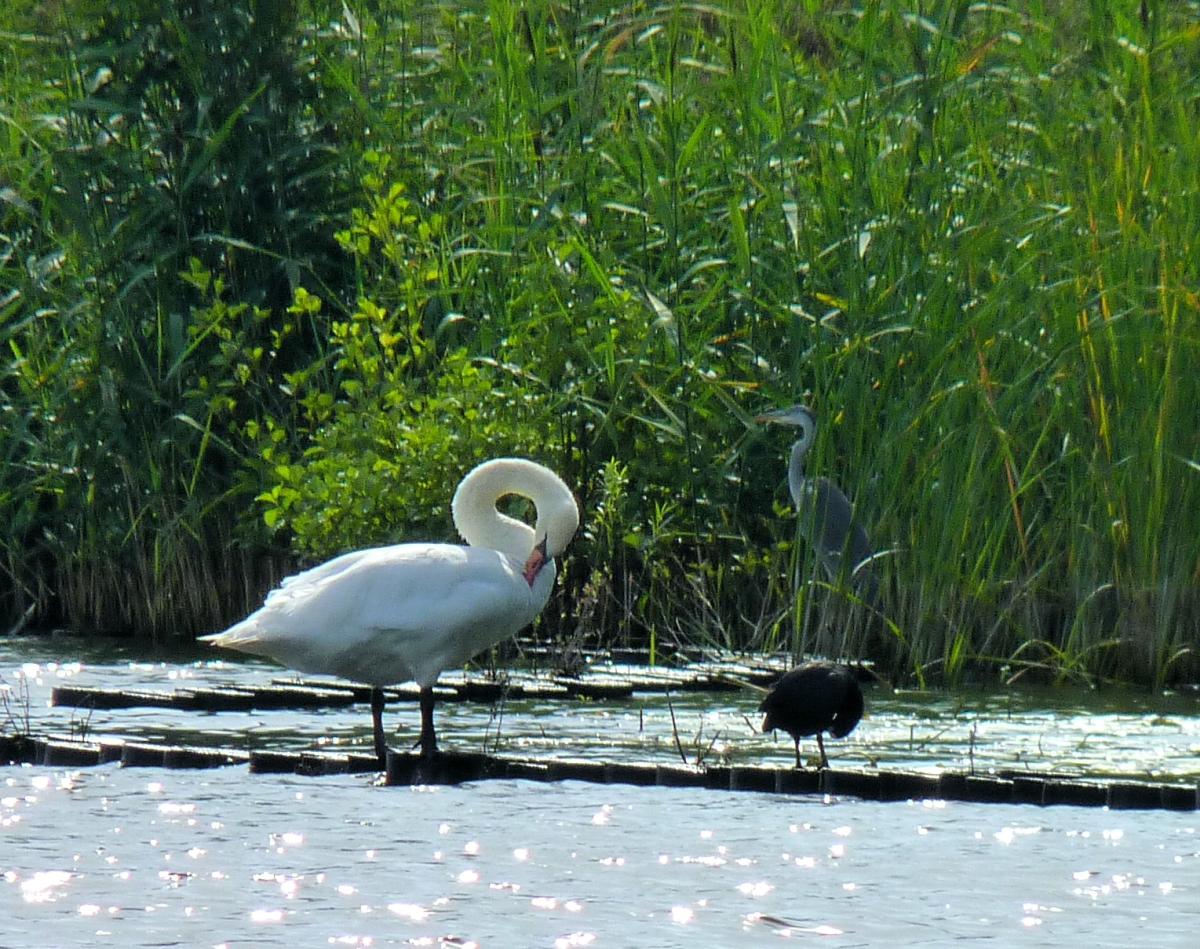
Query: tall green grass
{"points": [[608, 236], [146, 142]]}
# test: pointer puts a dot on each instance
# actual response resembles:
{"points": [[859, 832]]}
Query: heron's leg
{"points": [[428, 738], [377, 722], [824, 760]]}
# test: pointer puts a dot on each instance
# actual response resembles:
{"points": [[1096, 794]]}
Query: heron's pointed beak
{"points": [[786, 416], [537, 560]]}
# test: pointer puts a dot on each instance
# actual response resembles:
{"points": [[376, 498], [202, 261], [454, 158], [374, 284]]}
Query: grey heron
{"points": [[814, 697], [826, 516]]}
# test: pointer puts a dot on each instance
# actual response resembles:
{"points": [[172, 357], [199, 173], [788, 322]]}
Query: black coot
{"points": [[813, 698]]}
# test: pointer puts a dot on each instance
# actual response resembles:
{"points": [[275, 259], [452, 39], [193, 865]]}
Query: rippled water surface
{"points": [[149, 857]]}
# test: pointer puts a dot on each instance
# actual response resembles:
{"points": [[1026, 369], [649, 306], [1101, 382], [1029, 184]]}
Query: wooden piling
{"points": [[136, 754], [1133, 795], [907, 786], [639, 775], [798, 781], [68, 754], [192, 757], [1078, 793], [753, 779], [1180, 797], [450, 767], [678, 776]]}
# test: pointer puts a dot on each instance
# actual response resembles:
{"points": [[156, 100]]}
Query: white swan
{"points": [[406, 612]]}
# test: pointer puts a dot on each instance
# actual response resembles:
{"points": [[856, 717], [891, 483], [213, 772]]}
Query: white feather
{"points": [[407, 612]]}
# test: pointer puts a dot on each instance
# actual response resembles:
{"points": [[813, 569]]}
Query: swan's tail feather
{"points": [[244, 636]]}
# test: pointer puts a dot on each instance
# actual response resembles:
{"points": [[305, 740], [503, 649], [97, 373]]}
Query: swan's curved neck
{"points": [[481, 525]]}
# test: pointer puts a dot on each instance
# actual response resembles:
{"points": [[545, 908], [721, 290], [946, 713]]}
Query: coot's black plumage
{"points": [[814, 697]]}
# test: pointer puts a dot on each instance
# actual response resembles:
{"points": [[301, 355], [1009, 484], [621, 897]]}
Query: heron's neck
{"points": [[796, 467]]}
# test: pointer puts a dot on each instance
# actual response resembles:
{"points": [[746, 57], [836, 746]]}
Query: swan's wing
{"points": [[390, 614], [298, 584]]}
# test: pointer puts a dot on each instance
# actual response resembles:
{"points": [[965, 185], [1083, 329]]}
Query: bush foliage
{"points": [[276, 274]]}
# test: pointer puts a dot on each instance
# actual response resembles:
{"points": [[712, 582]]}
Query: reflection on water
{"points": [[151, 857], [130, 857], [1118, 732]]}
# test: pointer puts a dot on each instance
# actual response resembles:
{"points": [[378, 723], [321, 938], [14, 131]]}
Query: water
{"points": [[1114, 733], [148, 857]]}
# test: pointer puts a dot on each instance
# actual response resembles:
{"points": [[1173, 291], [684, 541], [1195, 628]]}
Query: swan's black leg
{"points": [[377, 722], [428, 738]]}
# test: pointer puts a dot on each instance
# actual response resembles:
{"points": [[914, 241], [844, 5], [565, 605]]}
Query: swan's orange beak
{"points": [[537, 560]]}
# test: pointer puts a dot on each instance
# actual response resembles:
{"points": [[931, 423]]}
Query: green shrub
{"points": [[607, 237]]}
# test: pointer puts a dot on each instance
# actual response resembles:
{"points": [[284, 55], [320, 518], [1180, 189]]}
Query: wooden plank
{"points": [[449, 767], [77, 696]]}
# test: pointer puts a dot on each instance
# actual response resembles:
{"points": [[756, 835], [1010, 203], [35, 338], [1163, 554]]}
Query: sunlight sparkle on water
{"points": [[572, 940], [1006, 835], [550, 902], [266, 916], [709, 861], [410, 911], [280, 842], [682, 915], [144, 846], [42, 886]]}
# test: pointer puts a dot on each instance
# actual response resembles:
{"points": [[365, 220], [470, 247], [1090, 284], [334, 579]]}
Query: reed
{"points": [[609, 235]]}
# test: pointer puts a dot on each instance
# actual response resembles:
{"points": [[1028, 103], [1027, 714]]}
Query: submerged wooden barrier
{"points": [[605, 682], [1004, 787]]}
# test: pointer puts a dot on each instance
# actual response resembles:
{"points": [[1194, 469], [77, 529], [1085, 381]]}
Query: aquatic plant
{"points": [[607, 233]]}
